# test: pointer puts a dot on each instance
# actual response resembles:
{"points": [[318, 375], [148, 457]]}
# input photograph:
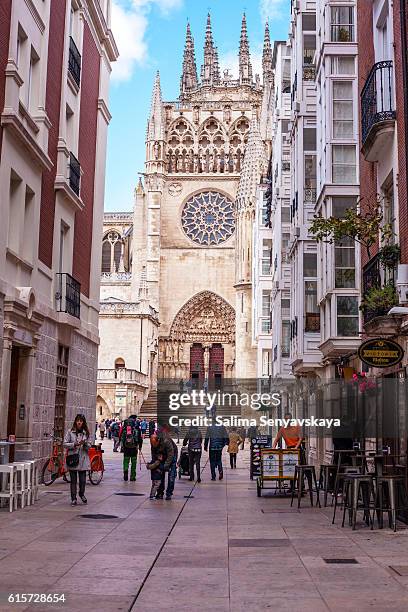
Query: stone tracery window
{"points": [[112, 249], [208, 218]]}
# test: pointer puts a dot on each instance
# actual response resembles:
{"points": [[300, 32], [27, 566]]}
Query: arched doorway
{"points": [[201, 342]]}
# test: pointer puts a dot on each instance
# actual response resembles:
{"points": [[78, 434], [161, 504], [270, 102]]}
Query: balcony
{"points": [[74, 62], [74, 174], [68, 295], [376, 278], [122, 375], [377, 111]]}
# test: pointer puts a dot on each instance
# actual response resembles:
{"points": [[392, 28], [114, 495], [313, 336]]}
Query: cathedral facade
{"points": [[194, 214]]}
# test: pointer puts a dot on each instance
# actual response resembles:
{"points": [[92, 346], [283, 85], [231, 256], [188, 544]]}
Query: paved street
{"points": [[221, 549]]}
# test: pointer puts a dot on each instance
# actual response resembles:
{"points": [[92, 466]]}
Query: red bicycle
{"points": [[55, 466]]}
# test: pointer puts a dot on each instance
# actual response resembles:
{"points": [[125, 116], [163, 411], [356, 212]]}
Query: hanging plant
{"points": [[389, 255], [380, 299]]}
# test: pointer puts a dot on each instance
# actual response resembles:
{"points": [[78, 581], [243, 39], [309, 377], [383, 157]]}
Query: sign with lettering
{"points": [[256, 445], [380, 353]]}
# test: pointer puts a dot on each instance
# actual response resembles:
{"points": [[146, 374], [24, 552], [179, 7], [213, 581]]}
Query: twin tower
{"points": [[210, 70]]}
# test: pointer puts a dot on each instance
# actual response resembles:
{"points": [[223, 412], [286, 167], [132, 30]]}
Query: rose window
{"points": [[208, 218]]}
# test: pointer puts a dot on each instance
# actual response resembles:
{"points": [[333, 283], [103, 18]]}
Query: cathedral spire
{"points": [[267, 56], [210, 70], [155, 125], [254, 165], [189, 77], [245, 66]]}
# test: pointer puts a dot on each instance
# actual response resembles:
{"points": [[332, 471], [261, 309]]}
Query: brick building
{"points": [[55, 60]]}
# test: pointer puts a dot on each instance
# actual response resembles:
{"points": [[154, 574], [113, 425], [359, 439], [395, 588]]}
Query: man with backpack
{"points": [[131, 440], [115, 429], [168, 449]]}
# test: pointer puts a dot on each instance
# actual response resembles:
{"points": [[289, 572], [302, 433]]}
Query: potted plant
{"points": [[389, 255], [380, 300]]}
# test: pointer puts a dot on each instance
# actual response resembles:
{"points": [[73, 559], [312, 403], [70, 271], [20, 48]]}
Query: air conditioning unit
{"points": [[296, 5], [297, 231], [296, 107], [276, 285], [278, 112], [402, 283]]}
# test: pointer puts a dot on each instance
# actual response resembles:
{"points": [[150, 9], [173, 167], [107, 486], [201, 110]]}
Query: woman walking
{"points": [[78, 442], [233, 446]]}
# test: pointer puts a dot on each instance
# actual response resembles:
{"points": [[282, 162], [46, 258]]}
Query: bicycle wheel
{"points": [[95, 474], [49, 473]]}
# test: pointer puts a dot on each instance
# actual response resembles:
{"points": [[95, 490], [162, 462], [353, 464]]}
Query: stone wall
{"points": [[82, 374], [44, 391]]}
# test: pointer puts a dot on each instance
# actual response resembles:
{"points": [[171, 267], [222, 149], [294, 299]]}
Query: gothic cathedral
{"points": [[205, 155]]}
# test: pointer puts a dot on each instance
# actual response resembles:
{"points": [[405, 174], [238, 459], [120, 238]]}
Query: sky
{"points": [[150, 35]]}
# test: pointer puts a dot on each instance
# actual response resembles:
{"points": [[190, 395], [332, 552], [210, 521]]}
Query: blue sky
{"points": [[150, 35]]}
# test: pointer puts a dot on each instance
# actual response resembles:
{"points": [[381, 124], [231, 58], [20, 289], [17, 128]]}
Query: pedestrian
{"points": [[143, 427], [233, 446], [177, 433], [131, 441], [102, 429], [108, 424], [194, 440], [152, 427], [169, 451], [181, 385], [156, 466], [216, 438], [115, 429], [205, 386], [78, 442]]}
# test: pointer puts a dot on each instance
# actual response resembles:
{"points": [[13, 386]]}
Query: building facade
{"points": [[54, 75], [196, 214]]}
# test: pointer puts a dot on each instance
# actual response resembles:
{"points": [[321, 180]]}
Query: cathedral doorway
{"points": [[197, 365], [216, 369]]}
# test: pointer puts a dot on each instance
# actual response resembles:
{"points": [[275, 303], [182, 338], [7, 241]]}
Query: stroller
{"points": [[183, 463]]}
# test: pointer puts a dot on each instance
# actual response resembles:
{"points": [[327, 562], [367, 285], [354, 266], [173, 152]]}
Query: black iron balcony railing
{"points": [[74, 174], [374, 276], [377, 97], [68, 295], [74, 62]]}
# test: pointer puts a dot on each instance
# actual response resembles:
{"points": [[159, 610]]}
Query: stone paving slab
{"points": [[223, 549]]}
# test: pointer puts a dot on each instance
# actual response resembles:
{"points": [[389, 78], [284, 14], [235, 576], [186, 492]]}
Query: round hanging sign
{"points": [[380, 353]]}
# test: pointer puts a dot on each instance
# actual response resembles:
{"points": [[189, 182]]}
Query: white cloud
{"points": [[230, 61], [272, 9], [129, 25]]}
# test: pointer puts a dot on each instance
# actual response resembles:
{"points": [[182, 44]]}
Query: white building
{"points": [[305, 356], [280, 213], [337, 178]]}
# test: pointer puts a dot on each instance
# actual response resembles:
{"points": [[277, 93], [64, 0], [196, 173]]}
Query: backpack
{"points": [[131, 437], [115, 428]]}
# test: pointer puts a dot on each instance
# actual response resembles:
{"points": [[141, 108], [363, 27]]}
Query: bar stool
{"points": [[347, 471], [327, 472], [23, 483], [302, 472], [354, 485], [396, 498], [8, 474]]}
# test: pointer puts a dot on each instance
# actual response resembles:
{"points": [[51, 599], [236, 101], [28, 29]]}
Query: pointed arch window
{"points": [[112, 251]]}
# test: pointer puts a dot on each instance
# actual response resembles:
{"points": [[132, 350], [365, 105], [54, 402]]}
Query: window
{"points": [[310, 178], [344, 263], [112, 252], [285, 244], [15, 212], [285, 215], [347, 316], [312, 313], [309, 50], [342, 203], [343, 64], [309, 139], [309, 22], [28, 238], [342, 24], [344, 164], [267, 257], [285, 338], [310, 265], [343, 126], [266, 363], [266, 312]]}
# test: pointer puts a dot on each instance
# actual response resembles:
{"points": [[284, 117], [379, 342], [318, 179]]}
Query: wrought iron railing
{"points": [[68, 295], [74, 62], [376, 277], [74, 174], [377, 97]]}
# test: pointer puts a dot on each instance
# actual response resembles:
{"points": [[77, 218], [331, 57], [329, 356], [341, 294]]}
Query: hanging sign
{"points": [[380, 353]]}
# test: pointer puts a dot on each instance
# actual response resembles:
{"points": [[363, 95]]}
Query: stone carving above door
{"points": [[206, 317]]}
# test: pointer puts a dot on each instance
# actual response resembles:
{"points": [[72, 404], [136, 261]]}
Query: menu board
{"points": [[270, 463], [290, 460], [256, 445]]}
